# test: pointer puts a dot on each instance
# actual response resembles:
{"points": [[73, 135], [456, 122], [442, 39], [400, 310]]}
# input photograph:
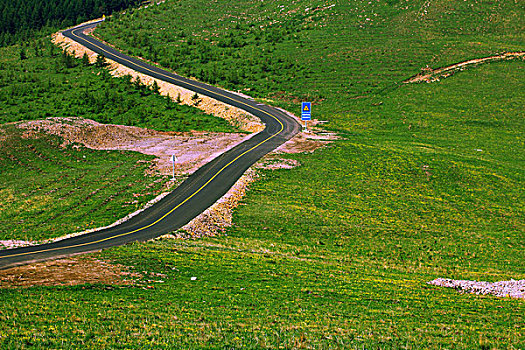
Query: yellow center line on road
{"points": [[188, 198]]}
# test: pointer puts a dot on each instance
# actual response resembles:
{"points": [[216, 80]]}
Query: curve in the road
{"points": [[194, 195]]}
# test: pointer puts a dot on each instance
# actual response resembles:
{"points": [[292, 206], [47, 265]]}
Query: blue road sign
{"points": [[306, 111]]}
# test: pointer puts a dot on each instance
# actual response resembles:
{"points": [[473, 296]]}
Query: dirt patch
{"points": [[66, 272], [430, 75], [235, 116], [307, 141], [191, 149]]}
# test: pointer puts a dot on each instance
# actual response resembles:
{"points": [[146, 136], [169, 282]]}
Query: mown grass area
{"points": [[47, 190], [426, 183]]}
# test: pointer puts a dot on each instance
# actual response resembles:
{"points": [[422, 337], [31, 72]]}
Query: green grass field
{"points": [[426, 182], [49, 191]]}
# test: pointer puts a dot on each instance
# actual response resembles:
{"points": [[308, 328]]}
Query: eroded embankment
{"points": [[235, 116], [430, 75]]}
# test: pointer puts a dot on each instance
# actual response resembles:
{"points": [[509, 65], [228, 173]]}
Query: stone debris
{"points": [[235, 116], [511, 289], [218, 217], [13, 243], [269, 163]]}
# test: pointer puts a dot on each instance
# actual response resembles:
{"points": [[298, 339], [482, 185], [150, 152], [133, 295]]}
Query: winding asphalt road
{"points": [[193, 196]]}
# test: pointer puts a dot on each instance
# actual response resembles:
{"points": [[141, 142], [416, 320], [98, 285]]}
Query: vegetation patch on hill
{"points": [[314, 50], [47, 82], [21, 20]]}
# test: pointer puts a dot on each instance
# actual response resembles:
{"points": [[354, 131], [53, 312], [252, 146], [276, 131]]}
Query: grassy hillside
{"points": [[315, 49], [48, 83], [47, 191], [340, 258], [26, 19], [426, 183]]}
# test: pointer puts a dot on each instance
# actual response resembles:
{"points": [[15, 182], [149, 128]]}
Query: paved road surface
{"points": [[192, 197]]}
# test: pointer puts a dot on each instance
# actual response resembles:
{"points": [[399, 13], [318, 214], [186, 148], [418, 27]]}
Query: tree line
{"points": [[21, 20]]}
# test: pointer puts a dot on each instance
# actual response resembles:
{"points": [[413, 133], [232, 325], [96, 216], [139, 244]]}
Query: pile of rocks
{"points": [[512, 288], [13, 243], [218, 217]]}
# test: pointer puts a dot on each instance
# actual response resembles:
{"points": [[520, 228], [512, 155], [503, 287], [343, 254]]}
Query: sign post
{"points": [[306, 113], [173, 160]]}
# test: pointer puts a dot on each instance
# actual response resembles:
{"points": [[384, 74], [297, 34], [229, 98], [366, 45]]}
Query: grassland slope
{"points": [[50, 184], [426, 183]]}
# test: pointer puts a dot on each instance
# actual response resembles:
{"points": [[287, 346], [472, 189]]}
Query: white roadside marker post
{"points": [[173, 160]]}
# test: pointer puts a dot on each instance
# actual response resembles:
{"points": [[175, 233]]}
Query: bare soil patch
{"points": [[306, 142], [66, 272], [191, 149], [430, 75]]}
